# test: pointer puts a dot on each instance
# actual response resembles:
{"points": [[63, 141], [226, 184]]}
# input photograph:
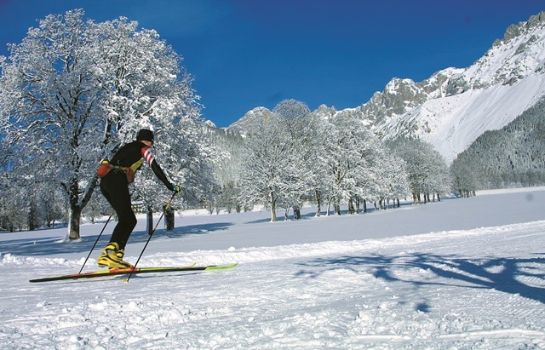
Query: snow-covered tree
{"points": [[301, 153], [227, 167], [192, 160], [73, 90], [266, 171], [13, 206], [384, 179], [427, 171], [397, 180], [316, 160], [349, 150]]}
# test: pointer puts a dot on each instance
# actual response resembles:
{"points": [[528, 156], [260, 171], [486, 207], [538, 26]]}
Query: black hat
{"points": [[144, 135]]}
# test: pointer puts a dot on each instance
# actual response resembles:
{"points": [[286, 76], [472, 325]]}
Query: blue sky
{"points": [[248, 53]]}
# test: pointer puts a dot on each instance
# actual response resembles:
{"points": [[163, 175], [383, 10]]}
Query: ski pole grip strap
{"points": [[168, 204]]}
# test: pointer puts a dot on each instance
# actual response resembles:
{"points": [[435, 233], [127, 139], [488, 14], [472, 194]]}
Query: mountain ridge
{"points": [[454, 106]]}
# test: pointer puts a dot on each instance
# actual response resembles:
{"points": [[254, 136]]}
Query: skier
{"points": [[115, 179]]}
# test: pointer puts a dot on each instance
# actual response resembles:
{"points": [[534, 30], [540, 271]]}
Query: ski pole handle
{"points": [[169, 203]]}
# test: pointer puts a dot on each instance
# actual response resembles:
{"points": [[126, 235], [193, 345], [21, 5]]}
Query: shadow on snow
{"points": [[310, 213], [56, 245], [507, 274]]}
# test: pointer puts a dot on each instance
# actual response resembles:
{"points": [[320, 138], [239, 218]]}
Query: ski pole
{"points": [[94, 245], [169, 203]]}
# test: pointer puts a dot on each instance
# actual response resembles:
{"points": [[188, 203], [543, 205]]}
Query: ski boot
{"points": [[112, 257]]}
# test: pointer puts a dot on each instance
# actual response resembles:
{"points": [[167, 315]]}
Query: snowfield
{"points": [[459, 274], [456, 121]]}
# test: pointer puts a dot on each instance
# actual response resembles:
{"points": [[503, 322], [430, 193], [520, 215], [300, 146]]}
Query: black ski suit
{"points": [[115, 186]]}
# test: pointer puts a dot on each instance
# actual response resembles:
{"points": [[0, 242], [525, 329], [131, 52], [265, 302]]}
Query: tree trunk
{"points": [[351, 208], [74, 222], [272, 198], [75, 208], [31, 218], [358, 204], [297, 212], [365, 206], [149, 221], [318, 203], [169, 218], [337, 207]]}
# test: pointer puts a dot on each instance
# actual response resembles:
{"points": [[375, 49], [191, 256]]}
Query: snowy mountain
{"points": [[456, 105], [252, 120]]}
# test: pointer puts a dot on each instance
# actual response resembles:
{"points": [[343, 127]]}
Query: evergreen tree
{"points": [[511, 156]]}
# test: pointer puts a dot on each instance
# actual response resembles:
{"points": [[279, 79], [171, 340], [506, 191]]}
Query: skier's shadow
{"points": [[522, 276]]}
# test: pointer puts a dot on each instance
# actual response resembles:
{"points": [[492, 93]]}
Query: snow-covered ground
{"points": [[459, 274]]}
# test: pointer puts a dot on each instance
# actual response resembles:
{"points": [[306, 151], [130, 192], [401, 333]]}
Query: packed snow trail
{"points": [[480, 288]]}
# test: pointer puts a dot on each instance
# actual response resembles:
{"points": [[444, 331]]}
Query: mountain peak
{"points": [[251, 120], [454, 106], [521, 28], [458, 105]]}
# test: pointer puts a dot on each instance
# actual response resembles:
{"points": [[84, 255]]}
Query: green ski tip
{"points": [[221, 267]]}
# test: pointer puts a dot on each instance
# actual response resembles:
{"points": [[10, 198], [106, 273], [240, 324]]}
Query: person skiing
{"points": [[116, 175]]}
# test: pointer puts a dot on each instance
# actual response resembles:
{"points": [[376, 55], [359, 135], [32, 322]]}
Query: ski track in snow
{"points": [[481, 288]]}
